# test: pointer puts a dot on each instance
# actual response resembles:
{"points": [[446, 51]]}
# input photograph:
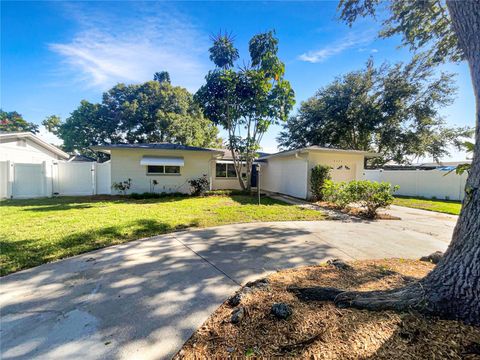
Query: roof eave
{"points": [[35, 139]]}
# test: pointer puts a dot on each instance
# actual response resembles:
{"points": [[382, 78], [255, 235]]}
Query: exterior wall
{"points": [[354, 161], [30, 153], [423, 183], [224, 183], [285, 175], [125, 164]]}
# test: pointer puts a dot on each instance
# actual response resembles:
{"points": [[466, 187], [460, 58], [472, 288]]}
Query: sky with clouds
{"points": [[54, 54]]}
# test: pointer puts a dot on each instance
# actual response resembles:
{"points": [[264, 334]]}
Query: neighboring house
{"points": [[25, 147], [25, 165], [173, 165], [81, 158]]}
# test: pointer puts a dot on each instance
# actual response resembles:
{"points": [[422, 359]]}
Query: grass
{"points": [[443, 206], [37, 231], [319, 330]]}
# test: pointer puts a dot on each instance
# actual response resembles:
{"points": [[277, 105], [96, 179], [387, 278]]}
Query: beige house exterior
{"points": [[168, 167], [289, 172]]}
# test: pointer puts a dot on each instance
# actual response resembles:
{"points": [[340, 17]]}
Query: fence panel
{"points": [[74, 178], [103, 178], [424, 183], [28, 181]]}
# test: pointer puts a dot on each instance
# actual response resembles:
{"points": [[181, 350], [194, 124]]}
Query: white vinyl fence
{"points": [[23, 180], [423, 183]]}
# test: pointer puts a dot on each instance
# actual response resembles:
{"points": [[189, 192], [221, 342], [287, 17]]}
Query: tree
{"points": [[452, 289], [246, 101], [392, 110], [162, 76], [150, 112], [13, 122]]}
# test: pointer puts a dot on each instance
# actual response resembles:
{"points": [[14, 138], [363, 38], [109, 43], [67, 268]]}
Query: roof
{"points": [[28, 135], [81, 158], [154, 146], [227, 154], [320, 149]]}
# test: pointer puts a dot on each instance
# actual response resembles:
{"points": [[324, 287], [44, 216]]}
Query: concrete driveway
{"points": [[143, 299]]}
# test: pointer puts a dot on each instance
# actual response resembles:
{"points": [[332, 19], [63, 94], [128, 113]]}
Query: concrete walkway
{"points": [[143, 299]]}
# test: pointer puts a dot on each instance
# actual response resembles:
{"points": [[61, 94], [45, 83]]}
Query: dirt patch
{"points": [[319, 330]]}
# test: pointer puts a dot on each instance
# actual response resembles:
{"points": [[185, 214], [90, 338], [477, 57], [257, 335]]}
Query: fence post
{"points": [[10, 174], [94, 178]]}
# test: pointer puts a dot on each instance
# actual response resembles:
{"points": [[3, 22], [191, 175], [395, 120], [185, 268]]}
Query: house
{"points": [[25, 147], [288, 172], [172, 165], [25, 165]]}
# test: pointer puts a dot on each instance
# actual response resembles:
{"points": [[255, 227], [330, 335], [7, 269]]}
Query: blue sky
{"points": [[54, 54]]}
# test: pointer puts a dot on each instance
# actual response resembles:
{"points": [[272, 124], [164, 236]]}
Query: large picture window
{"points": [[225, 171], [163, 170]]}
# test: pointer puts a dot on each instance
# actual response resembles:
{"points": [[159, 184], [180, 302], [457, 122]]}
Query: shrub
{"points": [[122, 186], [319, 175], [369, 195], [151, 195], [199, 186]]}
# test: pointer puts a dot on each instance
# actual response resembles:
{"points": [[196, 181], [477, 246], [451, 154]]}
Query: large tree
{"points": [[452, 289], [12, 121], [392, 110], [247, 100], [155, 111]]}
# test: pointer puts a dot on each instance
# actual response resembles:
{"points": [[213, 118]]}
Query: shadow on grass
{"points": [[28, 253]]}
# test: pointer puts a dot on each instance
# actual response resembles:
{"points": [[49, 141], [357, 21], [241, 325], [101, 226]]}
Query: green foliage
{"points": [[14, 122], [460, 169], [153, 195], [122, 186], [391, 109], [199, 186], [420, 23], [248, 100], [223, 53], [162, 76], [155, 111], [318, 176], [367, 194]]}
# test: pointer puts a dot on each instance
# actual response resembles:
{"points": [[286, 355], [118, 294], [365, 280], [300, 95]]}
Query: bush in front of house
{"points": [[318, 176], [370, 195], [152, 195], [122, 186], [199, 186]]}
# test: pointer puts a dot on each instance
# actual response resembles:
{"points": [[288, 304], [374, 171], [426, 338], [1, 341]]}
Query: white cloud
{"points": [[105, 52], [351, 41], [47, 136]]}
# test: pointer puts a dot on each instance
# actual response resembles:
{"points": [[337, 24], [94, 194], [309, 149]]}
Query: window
{"points": [[163, 170], [225, 171]]}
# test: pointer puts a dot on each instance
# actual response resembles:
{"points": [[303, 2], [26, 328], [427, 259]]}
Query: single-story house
{"points": [[165, 167], [25, 147], [25, 164]]}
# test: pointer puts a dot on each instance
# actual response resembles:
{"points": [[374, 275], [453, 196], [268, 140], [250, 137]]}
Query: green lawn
{"points": [[34, 231], [443, 206]]}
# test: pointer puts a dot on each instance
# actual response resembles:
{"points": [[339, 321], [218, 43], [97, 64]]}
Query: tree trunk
{"points": [[452, 289]]}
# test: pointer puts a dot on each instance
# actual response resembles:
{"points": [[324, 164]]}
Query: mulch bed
{"points": [[319, 330]]}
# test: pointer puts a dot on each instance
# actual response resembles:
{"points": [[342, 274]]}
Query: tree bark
{"points": [[452, 289]]}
